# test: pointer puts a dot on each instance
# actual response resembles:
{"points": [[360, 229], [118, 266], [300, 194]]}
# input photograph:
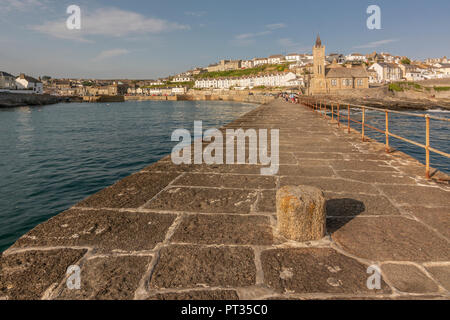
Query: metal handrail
{"points": [[321, 106]]}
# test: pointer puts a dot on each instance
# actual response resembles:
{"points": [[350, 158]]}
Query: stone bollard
{"points": [[301, 213]]}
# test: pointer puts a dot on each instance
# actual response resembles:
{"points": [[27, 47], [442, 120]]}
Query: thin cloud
{"points": [[107, 54], [245, 36], [375, 44], [197, 14], [287, 42], [109, 22], [275, 26], [249, 38], [21, 5]]}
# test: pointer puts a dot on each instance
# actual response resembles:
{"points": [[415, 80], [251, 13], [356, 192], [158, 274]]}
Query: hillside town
{"points": [[308, 73]]}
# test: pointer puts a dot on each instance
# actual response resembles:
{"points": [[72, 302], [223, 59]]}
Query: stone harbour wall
{"points": [[210, 231]]}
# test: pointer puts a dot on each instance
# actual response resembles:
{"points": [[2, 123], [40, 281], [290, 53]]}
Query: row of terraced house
{"points": [[281, 79]]}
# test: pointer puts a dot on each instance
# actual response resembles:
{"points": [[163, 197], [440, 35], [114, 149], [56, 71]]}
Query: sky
{"points": [[147, 39]]}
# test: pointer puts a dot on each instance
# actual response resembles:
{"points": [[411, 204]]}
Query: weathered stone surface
{"points": [[318, 156], [408, 278], [388, 239], [377, 177], [28, 275], [330, 184], [373, 155], [227, 181], [408, 195], [196, 266], [229, 168], [300, 170], [102, 229], [358, 204], [267, 202], [441, 274], [197, 295], [314, 270], [288, 158], [226, 229], [301, 213], [322, 148], [356, 165], [437, 218], [109, 278], [131, 192], [204, 200]]}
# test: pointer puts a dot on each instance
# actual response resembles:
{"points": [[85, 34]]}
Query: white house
{"points": [[155, 92], [387, 72], [387, 57], [444, 68], [293, 57], [276, 59], [411, 72], [246, 64], [131, 90], [182, 79], [259, 61], [179, 90], [356, 57], [414, 75], [266, 80], [373, 76], [7, 81], [156, 83], [29, 83]]}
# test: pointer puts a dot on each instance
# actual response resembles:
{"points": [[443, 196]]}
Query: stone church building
{"points": [[334, 77]]}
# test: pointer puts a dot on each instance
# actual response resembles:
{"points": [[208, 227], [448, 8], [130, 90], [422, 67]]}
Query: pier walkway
{"points": [[209, 232]]}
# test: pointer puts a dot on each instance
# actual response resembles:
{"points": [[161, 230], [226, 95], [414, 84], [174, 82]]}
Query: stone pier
{"points": [[209, 232]]}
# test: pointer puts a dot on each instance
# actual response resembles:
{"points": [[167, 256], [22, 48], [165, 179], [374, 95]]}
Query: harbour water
{"points": [[54, 156]]}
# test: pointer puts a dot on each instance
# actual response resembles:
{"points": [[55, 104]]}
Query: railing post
{"points": [[427, 173], [332, 112], [363, 122], [348, 118], [387, 131], [339, 116]]}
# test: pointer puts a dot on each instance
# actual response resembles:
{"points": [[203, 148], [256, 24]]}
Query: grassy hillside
{"points": [[268, 68]]}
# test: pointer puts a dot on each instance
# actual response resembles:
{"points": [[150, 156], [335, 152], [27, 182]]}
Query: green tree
{"points": [[406, 61]]}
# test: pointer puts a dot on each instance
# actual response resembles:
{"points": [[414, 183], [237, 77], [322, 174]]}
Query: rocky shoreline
{"points": [[10, 100], [395, 104]]}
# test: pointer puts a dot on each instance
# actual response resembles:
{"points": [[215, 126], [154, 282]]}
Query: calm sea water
{"points": [[54, 156]]}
